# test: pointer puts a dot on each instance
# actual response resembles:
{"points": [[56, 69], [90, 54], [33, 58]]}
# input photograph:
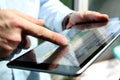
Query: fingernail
{"points": [[63, 41]]}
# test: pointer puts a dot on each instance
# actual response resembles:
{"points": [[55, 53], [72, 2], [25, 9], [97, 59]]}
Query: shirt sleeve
{"points": [[53, 12]]}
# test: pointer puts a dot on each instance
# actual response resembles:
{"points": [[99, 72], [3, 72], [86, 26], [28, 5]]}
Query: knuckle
{"points": [[40, 32], [15, 23]]}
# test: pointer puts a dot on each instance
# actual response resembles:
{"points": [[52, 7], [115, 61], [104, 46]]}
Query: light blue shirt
{"points": [[53, 12]]}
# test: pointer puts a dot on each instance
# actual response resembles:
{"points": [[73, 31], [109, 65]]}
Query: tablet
{"points": [[85, 46]]}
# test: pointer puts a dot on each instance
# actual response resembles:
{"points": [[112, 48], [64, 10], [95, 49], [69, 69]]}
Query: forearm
{"points": [[53, 12]]}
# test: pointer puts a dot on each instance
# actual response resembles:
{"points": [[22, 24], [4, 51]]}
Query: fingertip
{"points": [[63, 41], [104, 17]]}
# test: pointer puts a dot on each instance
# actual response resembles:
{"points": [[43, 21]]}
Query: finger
{"points": [[25, 43], [29, 18], [5, 51], [7, 44], [5, 54], [43, 33]]}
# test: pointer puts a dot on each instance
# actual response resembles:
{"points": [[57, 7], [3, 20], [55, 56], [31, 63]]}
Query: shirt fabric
{"points": [[53, 12]]}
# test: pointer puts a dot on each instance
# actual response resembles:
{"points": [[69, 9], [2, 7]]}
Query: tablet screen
{"points": [[83, 46]]}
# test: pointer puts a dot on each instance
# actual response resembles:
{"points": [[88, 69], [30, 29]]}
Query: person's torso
{"points": [[29, 7]]}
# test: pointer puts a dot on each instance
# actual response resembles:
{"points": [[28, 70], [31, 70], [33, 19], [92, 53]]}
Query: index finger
{"points": [[43, 33]]}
